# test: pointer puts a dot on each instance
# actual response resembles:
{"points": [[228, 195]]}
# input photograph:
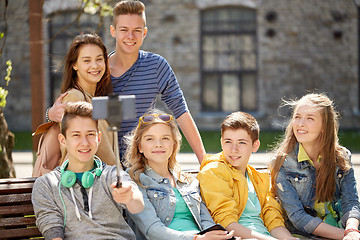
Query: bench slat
{"points": [[15, 204], [17, 221], [16, 188], [19, 232], [25, 209], [17, 180], [12, 199]]}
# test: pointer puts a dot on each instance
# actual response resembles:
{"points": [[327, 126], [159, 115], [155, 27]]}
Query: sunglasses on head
{"points": [[151, 117]]}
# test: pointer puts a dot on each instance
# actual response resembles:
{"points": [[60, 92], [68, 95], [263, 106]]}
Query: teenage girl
{"points": [[173, 206], [312, 174]]}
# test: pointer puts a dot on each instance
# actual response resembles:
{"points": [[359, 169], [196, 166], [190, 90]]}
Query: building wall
{"points": [[304, 55], [302, 46]]}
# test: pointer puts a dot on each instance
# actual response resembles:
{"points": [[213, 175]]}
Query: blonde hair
{"points": [[332, 154], [129, 7], [137, 160]]}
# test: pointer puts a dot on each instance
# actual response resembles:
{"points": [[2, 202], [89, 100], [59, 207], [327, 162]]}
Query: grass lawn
{"points": [[211, 139]]}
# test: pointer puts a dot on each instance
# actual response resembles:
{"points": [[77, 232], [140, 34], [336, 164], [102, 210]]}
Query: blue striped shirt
{"points": [[150, 75]]}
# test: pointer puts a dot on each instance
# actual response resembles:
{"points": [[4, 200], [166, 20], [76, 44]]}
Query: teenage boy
{"points": [[79, 200], [143, 74], [237, 195]]}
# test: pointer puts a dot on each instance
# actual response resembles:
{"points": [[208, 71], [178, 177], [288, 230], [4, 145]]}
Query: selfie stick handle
{"points": [[117, 155]]}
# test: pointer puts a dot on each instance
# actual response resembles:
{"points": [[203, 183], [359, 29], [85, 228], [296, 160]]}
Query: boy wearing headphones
{"points": [[79, 200]]}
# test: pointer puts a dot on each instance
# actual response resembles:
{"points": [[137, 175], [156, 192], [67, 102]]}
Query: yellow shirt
{"points": [[225, 192], [303, 156]]}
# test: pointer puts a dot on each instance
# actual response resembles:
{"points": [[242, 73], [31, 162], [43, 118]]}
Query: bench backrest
{"points": [[17, 220]]}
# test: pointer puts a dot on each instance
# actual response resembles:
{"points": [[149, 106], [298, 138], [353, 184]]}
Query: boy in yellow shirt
{"points": [[237, 195]]}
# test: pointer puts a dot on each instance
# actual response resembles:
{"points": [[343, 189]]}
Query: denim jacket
{"points": [[296, 190], [159, 209]]}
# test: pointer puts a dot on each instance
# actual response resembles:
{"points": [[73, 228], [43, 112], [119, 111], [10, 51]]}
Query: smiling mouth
{"points": [[129, 44], [95, 73], [84, 151]]}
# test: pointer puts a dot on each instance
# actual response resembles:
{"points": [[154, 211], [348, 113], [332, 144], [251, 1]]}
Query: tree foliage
{"points": [[97, 7], [3, 91]]}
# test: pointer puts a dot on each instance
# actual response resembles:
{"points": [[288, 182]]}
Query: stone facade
{"points": [[302, 46], [314, 49]]}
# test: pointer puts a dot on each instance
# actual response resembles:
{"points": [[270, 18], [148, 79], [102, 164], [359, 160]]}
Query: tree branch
{"points": [[68, 25]]}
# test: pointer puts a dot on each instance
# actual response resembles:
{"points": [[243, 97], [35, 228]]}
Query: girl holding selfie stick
{"points": [[173, 206]]}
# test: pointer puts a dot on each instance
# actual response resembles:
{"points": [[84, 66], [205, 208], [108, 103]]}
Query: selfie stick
{"points": [[117, 155], [115, 118], [114, 108]]}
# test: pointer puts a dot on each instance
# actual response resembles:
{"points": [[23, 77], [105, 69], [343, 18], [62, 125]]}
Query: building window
{"points": [[60, 40], [228, 59]]}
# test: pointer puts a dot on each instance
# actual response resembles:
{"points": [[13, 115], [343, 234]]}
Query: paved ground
{"points": [[23, 163]]}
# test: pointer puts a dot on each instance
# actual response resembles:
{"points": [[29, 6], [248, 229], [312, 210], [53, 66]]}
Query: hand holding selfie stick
{"points": [[115, 109]]}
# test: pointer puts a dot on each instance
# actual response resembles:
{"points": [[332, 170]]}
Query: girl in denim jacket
{"points": [[312, 174], [173, 206]]}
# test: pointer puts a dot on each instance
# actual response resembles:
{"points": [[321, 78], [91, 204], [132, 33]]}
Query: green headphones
{"points": [[68, 178]]}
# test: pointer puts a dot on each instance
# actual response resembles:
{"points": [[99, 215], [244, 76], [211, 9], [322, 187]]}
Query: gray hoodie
{"points": [[87, 213]]}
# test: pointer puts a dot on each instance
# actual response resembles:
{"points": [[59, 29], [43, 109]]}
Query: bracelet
{"points": [[47, 115], [347, 231]]}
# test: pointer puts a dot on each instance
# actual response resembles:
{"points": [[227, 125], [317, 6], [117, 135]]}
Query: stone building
{"points": [[228, 55]]}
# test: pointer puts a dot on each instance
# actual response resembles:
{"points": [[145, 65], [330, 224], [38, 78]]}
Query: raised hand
{"points": [[56, 112]]}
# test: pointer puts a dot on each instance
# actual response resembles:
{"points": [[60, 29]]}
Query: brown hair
{"points": [[136, 159], [332, 154], [241, 120], [70, 79], [73, 110], [129, 7]]}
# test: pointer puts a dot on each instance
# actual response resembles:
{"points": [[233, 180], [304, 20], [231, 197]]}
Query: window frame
{"points": [[219, 73]]}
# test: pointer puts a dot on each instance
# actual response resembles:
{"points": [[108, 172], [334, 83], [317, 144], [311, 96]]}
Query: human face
{"points": [[129, 32], [237, 147], [157, 145], [307, 124], [90, 67], [81, 142]]}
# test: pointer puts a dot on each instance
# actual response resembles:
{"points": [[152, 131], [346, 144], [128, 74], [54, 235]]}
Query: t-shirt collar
{"points": [[303, 156]]}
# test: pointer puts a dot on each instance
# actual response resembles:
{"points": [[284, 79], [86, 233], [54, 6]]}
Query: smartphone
{"points": [[213, 228]]}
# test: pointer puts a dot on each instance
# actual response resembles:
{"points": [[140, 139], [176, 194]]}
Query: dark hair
{"points": [[129, 7], [241, 120], [70, 79], [76, 109]]}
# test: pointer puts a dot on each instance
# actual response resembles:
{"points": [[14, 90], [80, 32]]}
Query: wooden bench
{"points": [[17, 220]]}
